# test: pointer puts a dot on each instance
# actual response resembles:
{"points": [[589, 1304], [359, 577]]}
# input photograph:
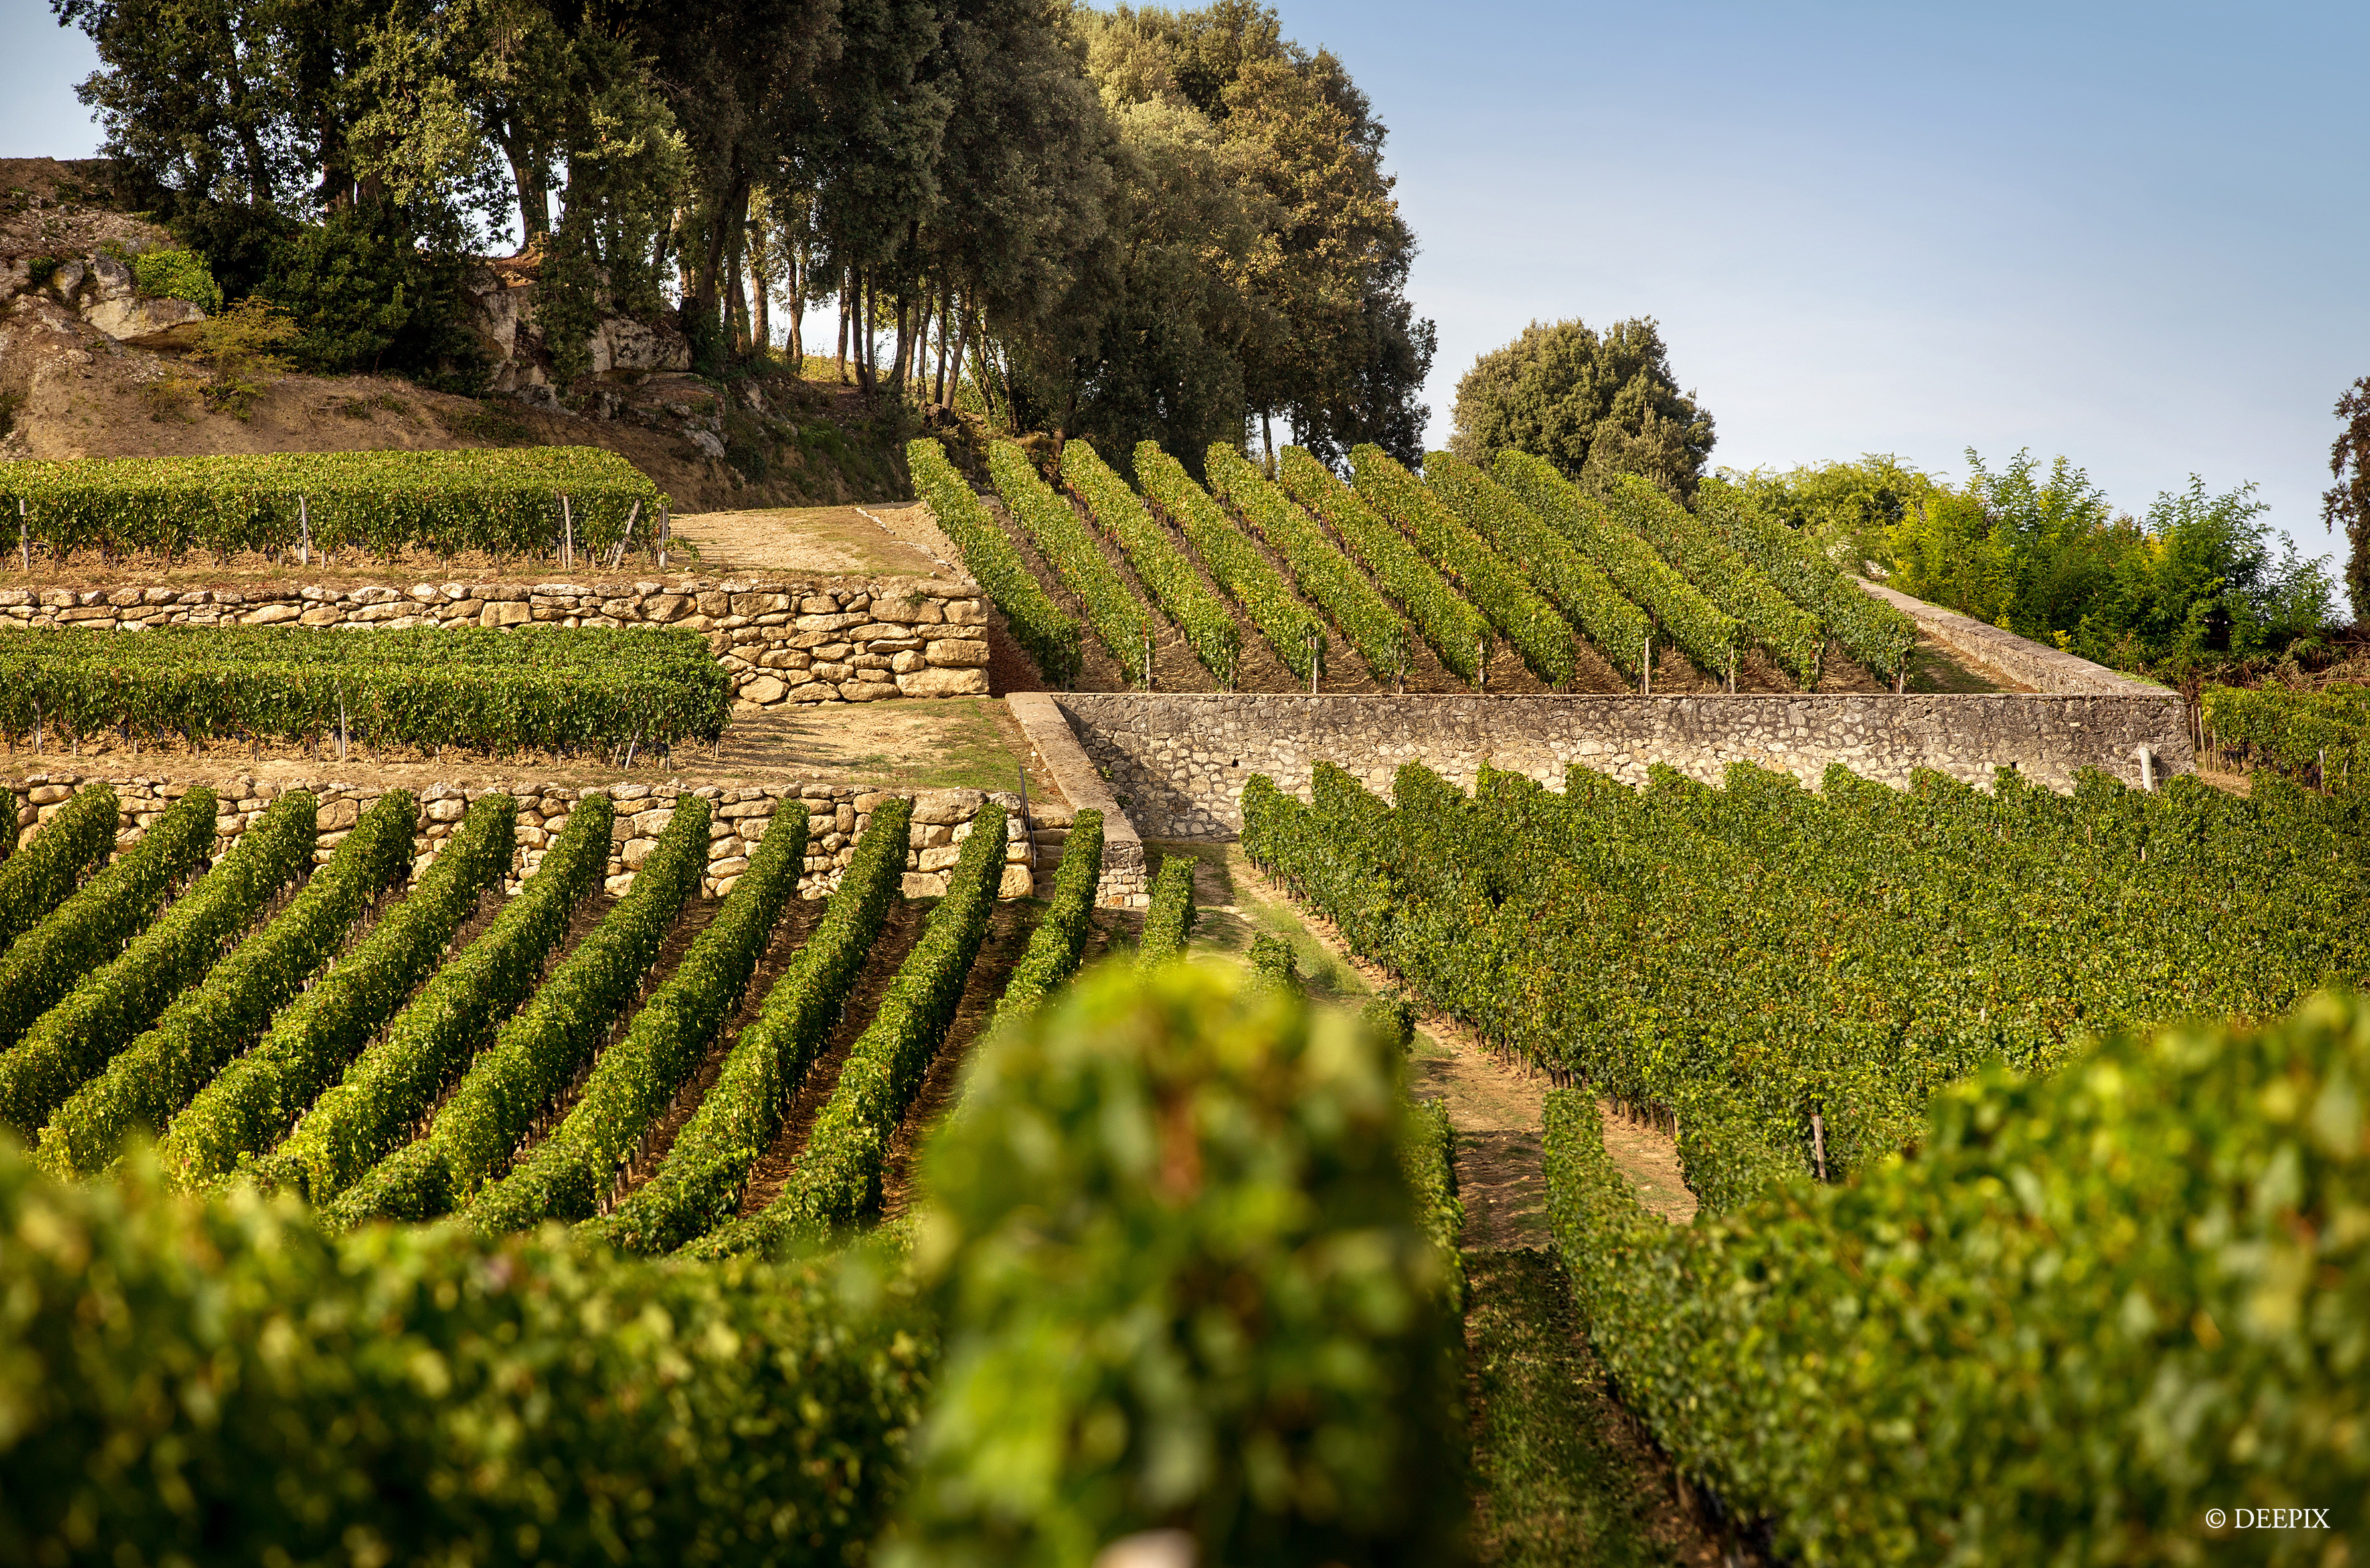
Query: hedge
{"points": [[76, 840], [1165, 571], [1497, 587], [154, 1077], [2083, 1310], [1690, 622], [1873, 633], [1234, 563], [90, 928], [1621, 630], [110, 1007], [1185, 1288], [218, 1381], [699, 1185], [836, 1179], [553, 688], [1331, 581], [506, 503], [1793, 635], [1168, 919], [1118, 618], [572, 1170], [251, 1103], [1454, 629], [1052, 955], [394, 1081], [1048, 634], [532, 1059], [1428, 1156]]}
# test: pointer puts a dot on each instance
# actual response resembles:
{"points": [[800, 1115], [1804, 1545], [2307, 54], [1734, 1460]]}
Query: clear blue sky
{"points": [[2131, 235]]}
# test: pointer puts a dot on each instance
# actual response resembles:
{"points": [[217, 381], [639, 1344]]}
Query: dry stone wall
{"points": [[810, 640], [1177, 762], [837, 815]]}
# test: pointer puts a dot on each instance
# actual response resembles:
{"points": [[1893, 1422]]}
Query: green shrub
{"points": [[74, 841], [178, 275], [397, 1079], [110, 1007], [1455, 630], [1169, 919], [90, 928], [1165, 571], [1272, 961], [154, 1077], [2084, 1310], [836, 1180], [1187, 1287], [219, 1382], [1050, 635], [699, 1185], [255, 1098], [1428, 1156], [632, 1081]]}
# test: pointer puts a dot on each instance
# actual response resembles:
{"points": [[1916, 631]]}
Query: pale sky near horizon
{"points": [[2110, 231]]}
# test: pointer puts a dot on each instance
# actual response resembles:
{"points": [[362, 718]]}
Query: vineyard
{"points": [[1511, 580], [2321, 738], [587, 1085], [570, 505], [548, 688]]}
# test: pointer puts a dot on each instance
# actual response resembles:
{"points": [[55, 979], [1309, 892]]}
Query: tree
{"points": [[2347, 502], [1596, 406]]}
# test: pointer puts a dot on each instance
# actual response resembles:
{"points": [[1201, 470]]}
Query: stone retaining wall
{"points": [[1177, 762], [809, 640], [837, 815], [2023, 660], [1124, 884]]}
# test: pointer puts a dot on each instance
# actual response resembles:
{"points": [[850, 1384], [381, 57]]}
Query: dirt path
{"points": [[888, 539], [1494, 1104]]}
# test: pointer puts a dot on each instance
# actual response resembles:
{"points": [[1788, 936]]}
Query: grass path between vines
{"points": [[1563, 1476]]}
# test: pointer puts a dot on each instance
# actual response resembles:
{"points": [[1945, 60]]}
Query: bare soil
{"points": [[874, 539], [945, 743]]}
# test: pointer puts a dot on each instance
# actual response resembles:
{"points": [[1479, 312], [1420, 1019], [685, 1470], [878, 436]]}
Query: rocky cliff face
{"points": [[624, 348]]}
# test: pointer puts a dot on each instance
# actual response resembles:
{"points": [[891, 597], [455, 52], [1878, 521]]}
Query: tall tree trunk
{"points": [[962, 345], [1267, 434], [797, 345], [534, 193], [847, 284], [866, 372], [723, 235], [761, 292]]}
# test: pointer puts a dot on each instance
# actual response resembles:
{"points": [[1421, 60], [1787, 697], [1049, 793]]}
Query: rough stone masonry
{"points": [[1177, 762]]}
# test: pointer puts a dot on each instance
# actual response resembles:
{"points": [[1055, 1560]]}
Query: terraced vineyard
{"points": [[616, 1064], [1458, 580]]}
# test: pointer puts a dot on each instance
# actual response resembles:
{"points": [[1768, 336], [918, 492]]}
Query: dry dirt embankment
{"points": [[68, 389]]}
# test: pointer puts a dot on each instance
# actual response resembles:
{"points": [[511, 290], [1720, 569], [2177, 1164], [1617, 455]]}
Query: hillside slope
{"points": [[68, 389]]}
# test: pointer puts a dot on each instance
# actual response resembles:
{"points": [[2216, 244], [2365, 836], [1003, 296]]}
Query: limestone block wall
{"points": [[1177, 764], [809, 640], [837, 815], [1124, 882], [2023, 660]]}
